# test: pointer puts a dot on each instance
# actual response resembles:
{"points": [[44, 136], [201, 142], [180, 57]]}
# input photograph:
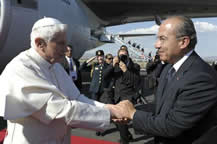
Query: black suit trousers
{"points": [[124, 133]]}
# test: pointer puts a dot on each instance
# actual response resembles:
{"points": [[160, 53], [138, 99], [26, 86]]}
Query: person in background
{"points": [[151, 65], [38, 98], [214, 65], [123, 47], [108, 91], [98, 83], [107, 96], [150, 57], [186, 97], [72, 67], [154, 69], [108, 58], [126, 75]]}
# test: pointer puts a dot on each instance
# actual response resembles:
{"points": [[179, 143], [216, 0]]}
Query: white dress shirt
{"points": [[178, 64]]}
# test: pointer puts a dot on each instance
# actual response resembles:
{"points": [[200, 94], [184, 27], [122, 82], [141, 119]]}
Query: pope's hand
{"points": [[117, 112]]}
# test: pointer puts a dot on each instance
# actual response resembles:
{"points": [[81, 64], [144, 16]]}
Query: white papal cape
{"points": [[41, 103]]}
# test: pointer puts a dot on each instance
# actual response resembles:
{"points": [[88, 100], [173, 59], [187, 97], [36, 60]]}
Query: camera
{"points": [[157, 58], [124, 58]]}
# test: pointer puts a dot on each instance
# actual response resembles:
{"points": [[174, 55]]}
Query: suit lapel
{"points": [[186, 65], [163, 94]]}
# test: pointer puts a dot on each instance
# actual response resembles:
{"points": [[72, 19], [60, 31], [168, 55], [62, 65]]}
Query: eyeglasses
{"points": [[110, 58]]}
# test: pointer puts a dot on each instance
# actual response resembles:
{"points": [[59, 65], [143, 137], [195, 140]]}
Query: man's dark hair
{"points": [[186, 28], [69, 45], [124, 47], [123, 50], [108, 55], [99, 53]]}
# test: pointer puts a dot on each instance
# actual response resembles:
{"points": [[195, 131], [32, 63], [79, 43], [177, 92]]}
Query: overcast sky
{"points": [[206, 31]]}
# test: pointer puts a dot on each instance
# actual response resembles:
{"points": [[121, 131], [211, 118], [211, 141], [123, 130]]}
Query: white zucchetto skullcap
{"points": [[46, 21]]}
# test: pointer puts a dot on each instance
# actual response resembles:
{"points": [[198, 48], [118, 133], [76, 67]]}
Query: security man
{"points": [[72, 67], [97, 83]]}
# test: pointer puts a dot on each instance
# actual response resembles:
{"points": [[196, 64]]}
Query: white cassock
{"points": [[41, 103]]}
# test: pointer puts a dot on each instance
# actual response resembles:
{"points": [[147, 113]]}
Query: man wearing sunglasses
{"points": [[108, 58]]}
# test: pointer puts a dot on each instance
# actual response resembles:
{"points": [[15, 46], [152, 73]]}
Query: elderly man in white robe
{"points": [[39, 100]]}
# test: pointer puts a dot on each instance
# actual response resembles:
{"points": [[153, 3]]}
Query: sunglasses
{"points": [[110, 58]]}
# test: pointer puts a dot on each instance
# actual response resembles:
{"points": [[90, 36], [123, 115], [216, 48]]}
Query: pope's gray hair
{"points": [[47, 33]]}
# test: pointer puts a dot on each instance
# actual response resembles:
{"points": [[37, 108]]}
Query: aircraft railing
{"points": [[135, 51]]}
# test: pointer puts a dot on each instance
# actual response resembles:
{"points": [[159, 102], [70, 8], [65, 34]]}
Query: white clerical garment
{"points": [[41, 103]]}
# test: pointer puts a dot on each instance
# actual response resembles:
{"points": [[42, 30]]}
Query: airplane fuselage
{"points": [[18, 16], [86, 19]]}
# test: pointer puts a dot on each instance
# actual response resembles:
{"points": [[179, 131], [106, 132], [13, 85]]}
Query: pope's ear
{"points": [[40, 43]]}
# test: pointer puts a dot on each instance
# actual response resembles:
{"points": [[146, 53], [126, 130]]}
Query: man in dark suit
{"points": [[126, 75], [72, 67], [186, 98]]}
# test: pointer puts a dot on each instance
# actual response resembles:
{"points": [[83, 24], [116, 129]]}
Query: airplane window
{"points": [[25, 3], [19, 1]]}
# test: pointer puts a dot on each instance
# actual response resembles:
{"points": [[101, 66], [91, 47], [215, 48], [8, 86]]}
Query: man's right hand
{"points": [[91, 59], [115, 61]]}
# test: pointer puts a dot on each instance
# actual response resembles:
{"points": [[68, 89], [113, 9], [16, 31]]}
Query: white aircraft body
{"points": [[86, 19]]}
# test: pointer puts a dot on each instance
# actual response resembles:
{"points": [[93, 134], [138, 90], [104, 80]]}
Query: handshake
{"points": [[122, 112]]}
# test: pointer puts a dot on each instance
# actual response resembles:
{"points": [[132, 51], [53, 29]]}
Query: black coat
{"points": [[98, 83], [186, 108], [126, 83]]}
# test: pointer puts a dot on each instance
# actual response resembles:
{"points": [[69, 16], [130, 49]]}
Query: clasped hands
{"points": [[122, 112]]}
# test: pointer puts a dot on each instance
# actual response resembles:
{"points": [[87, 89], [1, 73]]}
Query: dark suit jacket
{"points": [[187, 107], [65, 65], [126, 84]]}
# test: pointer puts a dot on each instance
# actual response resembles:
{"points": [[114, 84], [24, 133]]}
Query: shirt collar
{"points": [[68, 58], [178, 64], [39, 59]]}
